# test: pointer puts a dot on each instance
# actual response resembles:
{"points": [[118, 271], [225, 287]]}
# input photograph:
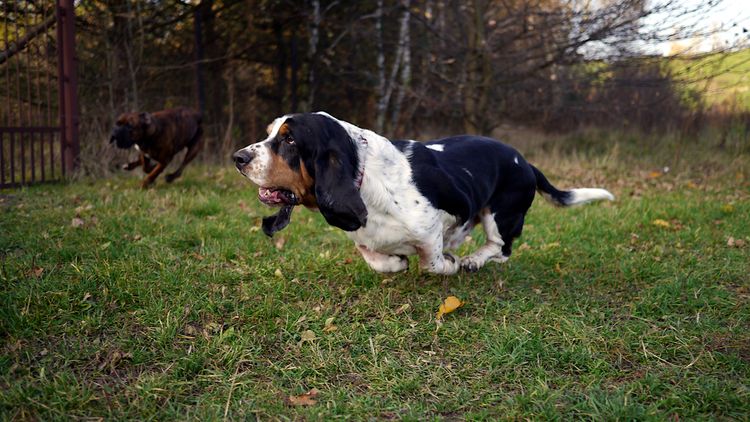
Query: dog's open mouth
{"points": [[277, 197]]}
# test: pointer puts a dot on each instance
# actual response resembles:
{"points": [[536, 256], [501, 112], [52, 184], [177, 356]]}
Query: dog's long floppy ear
{"points": [[338, 198], [335, 166]]}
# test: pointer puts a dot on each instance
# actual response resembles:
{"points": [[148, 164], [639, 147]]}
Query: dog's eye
{"points": [[288, 140]]}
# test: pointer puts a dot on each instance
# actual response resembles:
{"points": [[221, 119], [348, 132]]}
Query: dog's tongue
{"points": [[278, 221]]}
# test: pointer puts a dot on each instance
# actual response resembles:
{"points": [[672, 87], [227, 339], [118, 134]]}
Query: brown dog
{"points": [[159, 136]]}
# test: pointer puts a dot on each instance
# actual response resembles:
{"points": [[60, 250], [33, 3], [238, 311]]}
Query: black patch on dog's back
{"points": [[467, 174]]}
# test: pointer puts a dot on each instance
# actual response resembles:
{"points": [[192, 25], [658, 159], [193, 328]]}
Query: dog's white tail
{"points": [[584, 195], [567, 198]]}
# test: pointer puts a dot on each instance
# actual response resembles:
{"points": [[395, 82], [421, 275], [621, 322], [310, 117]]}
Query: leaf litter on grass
{"points": [[307, 399]]}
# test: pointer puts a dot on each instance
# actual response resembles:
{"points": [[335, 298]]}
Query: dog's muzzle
{"points": [[121, 137], [242, 158]]}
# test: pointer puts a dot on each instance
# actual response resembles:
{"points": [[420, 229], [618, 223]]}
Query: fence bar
{"points": [[30, 111], [71, 150], [60, 83], [33, 111], [12, 158], [6, 100], [18, 77], [29, 120], [48, 120], [38, 114], [7, 71], [2, 159]]}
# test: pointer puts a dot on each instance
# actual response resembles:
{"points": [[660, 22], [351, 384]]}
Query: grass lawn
{"points": [[171, 304]]}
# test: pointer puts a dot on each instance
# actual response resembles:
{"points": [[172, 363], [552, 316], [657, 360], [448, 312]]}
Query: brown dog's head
{"points": [[132, 128], [307, 159]]}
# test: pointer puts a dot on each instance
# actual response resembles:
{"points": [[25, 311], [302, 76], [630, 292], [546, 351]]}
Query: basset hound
{"points": [[400, 198]]}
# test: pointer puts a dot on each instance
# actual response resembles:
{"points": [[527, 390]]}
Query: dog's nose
{"points": [[242, 158]]}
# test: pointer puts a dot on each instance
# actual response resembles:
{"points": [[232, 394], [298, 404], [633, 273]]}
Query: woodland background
{"points": [[409, 68]]}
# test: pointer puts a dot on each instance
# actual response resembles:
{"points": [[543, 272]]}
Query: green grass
{"points": [[167, 304]]}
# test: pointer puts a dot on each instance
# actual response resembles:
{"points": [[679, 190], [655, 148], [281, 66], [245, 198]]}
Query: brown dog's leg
{"points": [[192, 151], [142, 161], [135, 164], [153, 175], [148, 165]]}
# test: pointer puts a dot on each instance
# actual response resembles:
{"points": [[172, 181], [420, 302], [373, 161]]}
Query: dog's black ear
{"points": [[330, 156], [278, 221], [337, 196]]}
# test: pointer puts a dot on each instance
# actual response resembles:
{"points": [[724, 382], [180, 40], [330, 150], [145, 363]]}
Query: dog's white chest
{"points": [[399, 231], [399, 217]]}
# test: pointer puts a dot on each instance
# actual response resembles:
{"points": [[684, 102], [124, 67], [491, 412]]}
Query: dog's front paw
{"points": [[450, 264], [394, 264], [470, 265]]}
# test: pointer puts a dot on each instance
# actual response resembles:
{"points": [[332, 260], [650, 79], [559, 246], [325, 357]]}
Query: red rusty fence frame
{"points": [[37, 128]]}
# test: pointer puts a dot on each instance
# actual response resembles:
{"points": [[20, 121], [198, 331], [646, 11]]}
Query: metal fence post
{"points": [[69, 86]]}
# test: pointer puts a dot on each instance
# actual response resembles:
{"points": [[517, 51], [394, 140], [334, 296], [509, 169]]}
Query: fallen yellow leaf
{"points": [[307, 399], [450, 304], [329, 327], [308, 335], [661, 223], [735, 243]]}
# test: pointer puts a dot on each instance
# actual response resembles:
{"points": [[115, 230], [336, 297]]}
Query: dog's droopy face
{"points": [[307, 159], [131, 128], [276, 167]]}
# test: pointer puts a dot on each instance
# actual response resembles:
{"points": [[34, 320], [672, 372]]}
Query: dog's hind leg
{"points": [[193, 150], [503, 223], [510, 227], [383, 263], [491, 248]]}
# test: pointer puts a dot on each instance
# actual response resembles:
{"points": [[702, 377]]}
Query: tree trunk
{"points": [[294, 56], [229, 76], [478, 76], [200, 86], [385, 99], [381, 105], [281, 64], [117, 37], [405, 47], [312, 51]]}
